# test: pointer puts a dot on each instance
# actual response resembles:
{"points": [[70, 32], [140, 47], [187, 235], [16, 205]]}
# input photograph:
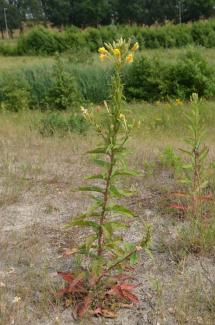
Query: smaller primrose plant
{"points": [[106, 257], [196, 201], [195, 170]]}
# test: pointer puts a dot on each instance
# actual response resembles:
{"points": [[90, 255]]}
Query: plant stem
{"points": [[102, 219], [117, 94]]}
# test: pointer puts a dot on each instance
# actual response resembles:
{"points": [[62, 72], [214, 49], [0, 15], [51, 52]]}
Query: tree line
{"points": [[84, 13]]}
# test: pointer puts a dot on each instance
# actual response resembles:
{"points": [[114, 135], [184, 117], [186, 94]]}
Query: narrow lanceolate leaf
{"points": [[125, 172], [98, 150], [186, 151], [91, 189], [121, 210], [97, 176], [119, 192], [82, 223], [102, 163], [82, 217], [119, 149]]}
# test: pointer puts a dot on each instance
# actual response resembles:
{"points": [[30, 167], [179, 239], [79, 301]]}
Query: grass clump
{"points": [[55, 123]]}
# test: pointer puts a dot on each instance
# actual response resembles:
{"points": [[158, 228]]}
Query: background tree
{"points": [[90, 12], [193, 10], [57, 12]]}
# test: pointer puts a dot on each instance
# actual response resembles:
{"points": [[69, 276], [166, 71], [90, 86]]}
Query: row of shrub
{"points": [[65, 85], [44, 41]]}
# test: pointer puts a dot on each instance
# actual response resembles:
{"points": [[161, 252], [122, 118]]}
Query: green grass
{"points": [[167, 55], [9, 63], [170, 55]]}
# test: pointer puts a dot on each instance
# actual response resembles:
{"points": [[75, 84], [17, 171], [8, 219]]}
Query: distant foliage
{"points": [[152, 80], [41, 40], [63, 93], [67, 84]]}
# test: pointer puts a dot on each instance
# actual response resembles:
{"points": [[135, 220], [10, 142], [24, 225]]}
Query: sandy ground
{"points": [[37, 182]]}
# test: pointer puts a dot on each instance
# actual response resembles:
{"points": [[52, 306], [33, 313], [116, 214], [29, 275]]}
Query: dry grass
{"points": [[38, 177]]}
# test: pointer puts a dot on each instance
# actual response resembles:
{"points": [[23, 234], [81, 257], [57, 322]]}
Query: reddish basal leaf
{"points": [[83, 307], [124, 291], [75, 284], [67, 276], [62, 291], [180, 194], [178, 207], [125, 286], [130, 296], [208, 197], [122, 277]]}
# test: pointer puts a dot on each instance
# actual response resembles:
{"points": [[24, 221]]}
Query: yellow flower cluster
{"points": [[179, 102], [119, 52]]}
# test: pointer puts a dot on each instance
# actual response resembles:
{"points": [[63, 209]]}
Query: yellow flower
{"points": [[102, 50], [178, 101], [130, 58], [135, 47], [117, 53], [16, 300], [103, 57], [122, 117]]}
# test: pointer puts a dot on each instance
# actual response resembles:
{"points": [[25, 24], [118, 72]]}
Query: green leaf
{"points": [[120, 209], [186, 151], [97, 176], [119, 192], [112, 226], [128, 247], [89, 242], [97, 266], [98, 150], [82, 223], [91, 189], [102, 163], [119, 149], [133, 258], [125, 172]]}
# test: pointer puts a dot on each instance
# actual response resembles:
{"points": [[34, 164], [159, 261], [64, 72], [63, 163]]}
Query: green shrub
{"points": [[77, 123], [93, 38], [63, 93], [203, 34], [190, 74], [52, 123], [142, 80], [74, 38], [41, 41], [14, 94]]}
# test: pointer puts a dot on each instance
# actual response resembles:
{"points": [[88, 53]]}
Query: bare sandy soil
{"points": [[37, 182]]}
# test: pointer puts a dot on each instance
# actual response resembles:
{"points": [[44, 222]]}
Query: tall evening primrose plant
{"points": [[106, 255]]}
